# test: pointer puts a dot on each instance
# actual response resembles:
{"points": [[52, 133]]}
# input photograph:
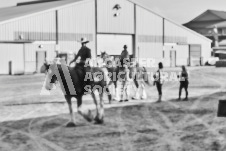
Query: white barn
{"points": [[29, 34]]}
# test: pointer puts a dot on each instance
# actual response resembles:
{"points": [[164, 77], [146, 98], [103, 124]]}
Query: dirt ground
{"points": [[33, 122]]}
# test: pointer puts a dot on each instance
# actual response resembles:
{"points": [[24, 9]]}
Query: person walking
{"points": [[124, 57], [158, 80], [183, 82]]}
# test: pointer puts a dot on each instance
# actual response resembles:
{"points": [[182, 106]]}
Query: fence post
{"points": [[10, 67]]}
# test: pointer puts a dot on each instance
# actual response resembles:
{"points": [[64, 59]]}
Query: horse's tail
{"points": [[145, 76]]}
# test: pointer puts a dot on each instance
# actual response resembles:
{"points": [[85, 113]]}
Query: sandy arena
{"points": [[33, 122]]}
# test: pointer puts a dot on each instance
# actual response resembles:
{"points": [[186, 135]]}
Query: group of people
{"points": [[183, 78], [85, 53]]}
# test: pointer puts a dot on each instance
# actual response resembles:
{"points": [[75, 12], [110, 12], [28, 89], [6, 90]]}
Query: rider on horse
{"points": [[84, 53]]}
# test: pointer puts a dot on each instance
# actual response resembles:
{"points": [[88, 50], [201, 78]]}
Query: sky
{"points": [[180, 11]]}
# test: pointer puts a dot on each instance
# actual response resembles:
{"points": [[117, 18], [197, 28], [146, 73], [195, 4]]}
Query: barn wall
{"points": [[205, 46], [177, 34], [107, 23], [40, 27], [149, 29], [75, 22], [166, 59], [79, 19], [13, 53], [174, 33], [182, 54], [30, 55]]}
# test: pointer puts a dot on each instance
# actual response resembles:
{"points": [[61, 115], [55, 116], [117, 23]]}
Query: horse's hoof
{"points": [[99, 121], [70, 124], [96, 118], [89, 117]]}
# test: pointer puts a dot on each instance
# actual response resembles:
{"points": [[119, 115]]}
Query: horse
{"points": [[70, 82]]}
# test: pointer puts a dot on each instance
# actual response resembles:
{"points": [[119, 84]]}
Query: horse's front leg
{"points": [[72, 121], [86, 113]]}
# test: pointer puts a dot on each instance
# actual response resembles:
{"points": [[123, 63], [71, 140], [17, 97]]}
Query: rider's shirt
{"points": [[84, 53]]}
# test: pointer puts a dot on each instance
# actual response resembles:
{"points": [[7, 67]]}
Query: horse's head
{"points": [[104, 55], [51, 78], [107, 59]]}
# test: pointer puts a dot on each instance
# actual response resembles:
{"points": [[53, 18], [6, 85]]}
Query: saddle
{"points": [[81, 72]]}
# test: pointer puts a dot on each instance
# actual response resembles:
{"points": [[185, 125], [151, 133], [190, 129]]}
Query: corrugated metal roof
{"points": [[18, 11], [221, 14], [210, 24]]}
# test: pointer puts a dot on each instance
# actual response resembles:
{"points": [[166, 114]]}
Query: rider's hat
{"points": [[83, 40], [125, 46]]}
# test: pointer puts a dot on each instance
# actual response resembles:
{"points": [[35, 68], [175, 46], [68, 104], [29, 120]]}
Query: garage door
{"points": [[195, 55], [113, 44], [11, 59]]}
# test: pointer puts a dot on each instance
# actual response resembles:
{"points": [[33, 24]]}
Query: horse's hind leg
{"points": [[72, 122]]}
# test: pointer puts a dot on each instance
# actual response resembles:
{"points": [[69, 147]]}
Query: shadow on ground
{"points": [[172, 125]]}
